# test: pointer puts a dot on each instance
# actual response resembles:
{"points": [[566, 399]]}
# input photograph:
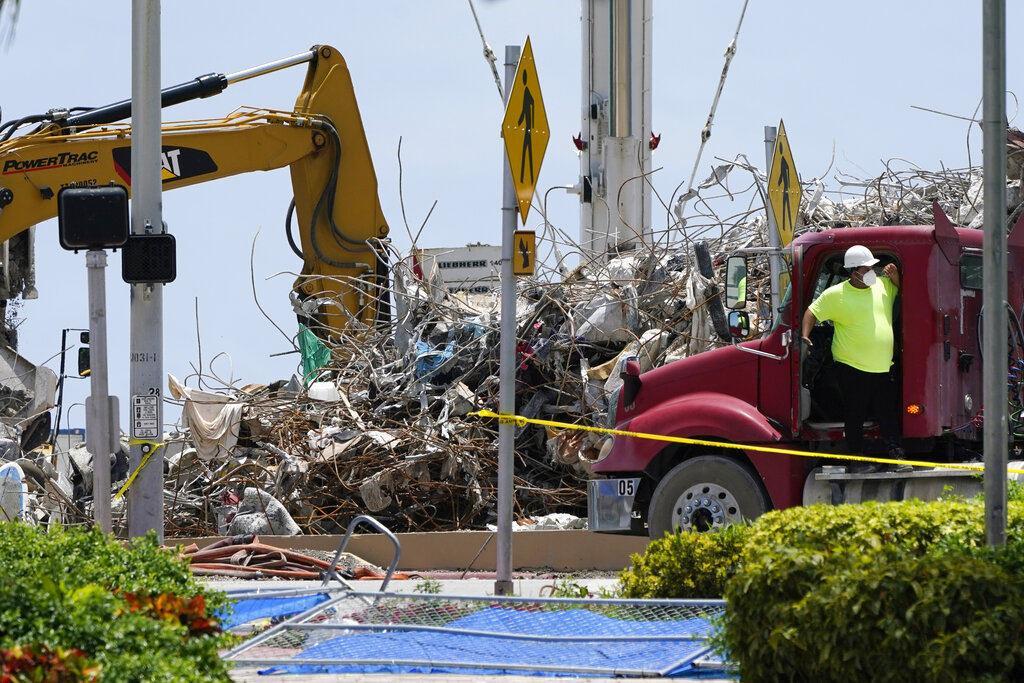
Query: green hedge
{"points": [[133, 613], [878, 591], [882, 614], [914, 525]]}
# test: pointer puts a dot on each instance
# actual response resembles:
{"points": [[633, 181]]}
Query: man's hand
{"points": [[890, 271]]}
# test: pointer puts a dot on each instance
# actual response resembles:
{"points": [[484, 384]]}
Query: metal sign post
{"points": [[506, 362], [784, 195], [525, 129]]}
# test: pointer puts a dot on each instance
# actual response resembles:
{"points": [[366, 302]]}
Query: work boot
{"points": [[896, 453], [862, 467]]}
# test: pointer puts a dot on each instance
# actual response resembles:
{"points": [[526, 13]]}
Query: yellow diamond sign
{"points": [[784, 189], [525, 129]]}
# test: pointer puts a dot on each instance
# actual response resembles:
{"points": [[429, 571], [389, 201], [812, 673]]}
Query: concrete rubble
{"points": [[383, 425]]}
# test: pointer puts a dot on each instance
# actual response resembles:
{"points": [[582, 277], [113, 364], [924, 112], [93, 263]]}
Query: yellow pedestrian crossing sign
{"points": [[784, 191], [524, 251], [525, 129]]}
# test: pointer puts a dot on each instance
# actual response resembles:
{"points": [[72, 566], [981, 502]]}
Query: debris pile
{"points": [[383, 425]]}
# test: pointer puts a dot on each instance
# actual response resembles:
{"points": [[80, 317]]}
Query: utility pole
{"points": [[145, 496], [995, 437]]}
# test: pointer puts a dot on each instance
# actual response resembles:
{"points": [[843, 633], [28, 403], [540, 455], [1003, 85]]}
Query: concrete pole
{"points": [[145, 497], [507, 358], [97, 405], [995, 433]]}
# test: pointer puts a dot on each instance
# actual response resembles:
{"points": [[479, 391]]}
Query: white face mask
{"points": [[869, 278]]}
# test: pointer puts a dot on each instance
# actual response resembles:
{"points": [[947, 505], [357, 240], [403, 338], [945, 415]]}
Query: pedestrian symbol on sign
{"points": [[786, 222], [526, 116]]}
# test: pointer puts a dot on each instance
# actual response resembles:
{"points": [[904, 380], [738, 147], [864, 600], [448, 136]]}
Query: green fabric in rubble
{"points": [[315, 354]]}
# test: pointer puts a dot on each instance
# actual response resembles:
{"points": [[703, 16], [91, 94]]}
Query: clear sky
{"points": [[845, 78]]}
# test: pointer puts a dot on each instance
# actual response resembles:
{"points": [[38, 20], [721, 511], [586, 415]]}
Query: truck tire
{"points": [[716, 309], [704, 494]]}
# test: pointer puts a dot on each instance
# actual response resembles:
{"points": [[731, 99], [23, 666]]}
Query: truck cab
{"points": [[758, 425]]}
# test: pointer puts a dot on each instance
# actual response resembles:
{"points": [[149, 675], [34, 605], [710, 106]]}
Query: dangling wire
{"points": [[488, 54], [705, 133]]}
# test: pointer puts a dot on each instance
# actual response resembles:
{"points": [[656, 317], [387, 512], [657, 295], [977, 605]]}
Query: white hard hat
{"points": [[857, 256]]}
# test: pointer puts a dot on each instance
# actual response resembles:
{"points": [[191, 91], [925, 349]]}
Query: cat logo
{"points": [[177, 163], [169, 160]]}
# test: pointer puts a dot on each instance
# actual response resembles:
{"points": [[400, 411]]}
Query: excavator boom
{"points": [[341, 225]]}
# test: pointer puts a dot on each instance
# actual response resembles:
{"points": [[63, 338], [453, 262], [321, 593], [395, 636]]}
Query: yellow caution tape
{"points": [[148, 449], [521, 421]]}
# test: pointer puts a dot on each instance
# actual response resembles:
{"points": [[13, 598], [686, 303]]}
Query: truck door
{"points": [[820, 400], [776, 370]]}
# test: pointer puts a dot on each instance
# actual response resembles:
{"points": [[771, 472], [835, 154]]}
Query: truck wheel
{"points": [[703, 494]]}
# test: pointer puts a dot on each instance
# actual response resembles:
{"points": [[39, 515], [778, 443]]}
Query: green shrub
{"points": [[883, 614], [877, 591], [914, 525], [135, 611], [685, 565]]}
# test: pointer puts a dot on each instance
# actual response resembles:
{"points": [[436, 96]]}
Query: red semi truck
{"points": [[764, 392]]}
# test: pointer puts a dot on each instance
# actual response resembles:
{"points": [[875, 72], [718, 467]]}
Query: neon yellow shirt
{"points": [[863, 323]]}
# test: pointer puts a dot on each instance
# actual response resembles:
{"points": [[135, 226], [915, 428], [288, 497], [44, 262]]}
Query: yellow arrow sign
{"points": [[525, 129], [784, 190], [524, 250]]}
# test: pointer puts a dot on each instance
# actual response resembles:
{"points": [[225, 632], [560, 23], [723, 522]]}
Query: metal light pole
{"points": [[995, 435], [100, 407], [145, 497]]}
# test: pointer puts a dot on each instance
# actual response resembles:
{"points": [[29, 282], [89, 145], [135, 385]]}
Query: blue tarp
{"points": [[251, 609], [449, 652], [428, 359]]}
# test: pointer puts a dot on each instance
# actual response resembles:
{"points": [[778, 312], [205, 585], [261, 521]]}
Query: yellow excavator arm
{"points": [[342, 229]]}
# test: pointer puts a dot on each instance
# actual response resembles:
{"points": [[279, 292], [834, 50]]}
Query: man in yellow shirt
{"points": [[862, 347]]}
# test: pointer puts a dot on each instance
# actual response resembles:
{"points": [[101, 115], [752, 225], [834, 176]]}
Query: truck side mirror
{"points": [[630, 374], [736, 282], [739, 324]]}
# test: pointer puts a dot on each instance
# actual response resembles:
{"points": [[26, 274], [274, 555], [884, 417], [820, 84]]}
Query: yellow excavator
{"points": [[342, 286]]}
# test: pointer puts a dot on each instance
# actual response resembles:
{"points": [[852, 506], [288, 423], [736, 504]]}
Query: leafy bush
{"points": [[877, 591], [135, 612], [882, 614], [42, 665], [685, 565], [914, 525]]}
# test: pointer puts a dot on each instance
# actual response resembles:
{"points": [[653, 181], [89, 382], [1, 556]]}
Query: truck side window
{"points": [[832, 273], [970, 271]]}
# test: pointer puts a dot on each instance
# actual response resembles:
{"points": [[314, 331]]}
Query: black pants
{"points": [[864, 394]]}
